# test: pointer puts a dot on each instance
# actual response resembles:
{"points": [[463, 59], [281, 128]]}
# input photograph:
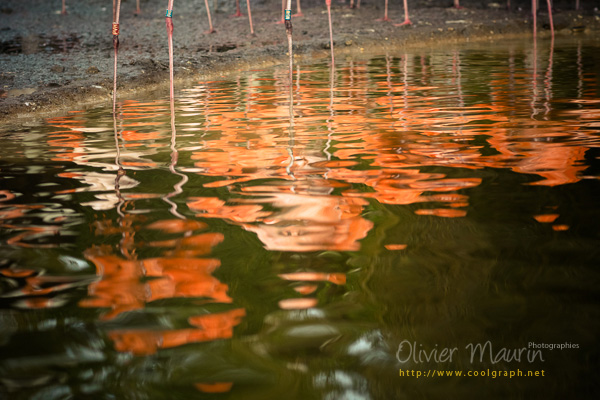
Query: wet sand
{"points": [[51, 63]]}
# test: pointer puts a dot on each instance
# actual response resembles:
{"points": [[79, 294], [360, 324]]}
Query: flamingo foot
{"points": [[237, 14], [281, 21], [298, 15], [137, 12], [458, 7], [406, 22], [386, 19], [211, 30]]}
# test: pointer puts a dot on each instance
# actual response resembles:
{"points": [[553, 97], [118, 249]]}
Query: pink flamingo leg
{"points": [[281, 21], [298, 10], [169, 22], [210, 25], [385, 14], [288, 31], [328, 3], [238, 12], [406, 19], [115, 32], [64, 8], [551, 22], [457, 4], [534, 12], [250, 18]]}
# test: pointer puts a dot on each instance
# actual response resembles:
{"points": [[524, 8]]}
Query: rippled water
{"points": [[215, 248]]}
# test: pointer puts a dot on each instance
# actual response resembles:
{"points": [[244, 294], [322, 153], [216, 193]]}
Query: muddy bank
{"points": [[50, 62]]}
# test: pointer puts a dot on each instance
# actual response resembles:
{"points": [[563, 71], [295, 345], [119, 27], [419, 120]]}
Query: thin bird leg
{"points": [[238, 12], [288, 31], [385, 13], [250, 18], [534, 12], [550, 13], [169, 21], [282, 20], [406, 19], [210, 25], [328, 3], [298, 10], [115, 32]]}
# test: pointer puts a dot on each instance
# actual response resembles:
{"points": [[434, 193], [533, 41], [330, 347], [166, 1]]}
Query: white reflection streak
{"points": [[351, 93], [206, 103], [534, 81], [330, 119], [457, 71], [120, 170], [548, 80], [405, 90], [178, 188], [461, 102], [388, 71], [248, 98], [290, 149]]}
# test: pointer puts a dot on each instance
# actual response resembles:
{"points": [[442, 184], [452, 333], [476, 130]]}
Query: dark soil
{"points": [[51, 62]]}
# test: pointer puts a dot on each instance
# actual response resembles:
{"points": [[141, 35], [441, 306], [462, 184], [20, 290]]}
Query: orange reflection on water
{"points": [[207, 328], [33, 289], [546, 218], [337, 278], [31, 236], [395, 130], [122, 288], [556, 163], [393, 247], [129, 284], [306, 289], [216, 387], [311, 222], [303, 289], [213, 207], [298, 304], [442, 212], [176, 225]]}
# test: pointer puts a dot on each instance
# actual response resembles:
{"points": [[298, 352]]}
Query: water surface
{"points": [[214, 248]]}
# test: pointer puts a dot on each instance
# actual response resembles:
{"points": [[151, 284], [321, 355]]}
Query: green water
{"points": [[420, 204]]}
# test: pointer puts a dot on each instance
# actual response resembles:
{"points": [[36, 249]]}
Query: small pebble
{"points": [[92, 70]]}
